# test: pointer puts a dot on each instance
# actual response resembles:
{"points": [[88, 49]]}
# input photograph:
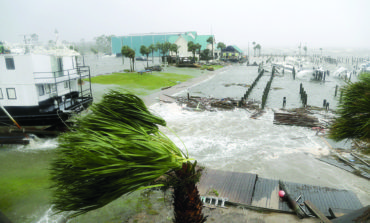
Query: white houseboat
{"points": [[42, 89]]}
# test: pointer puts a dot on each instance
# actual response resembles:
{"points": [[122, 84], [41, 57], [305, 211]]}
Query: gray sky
{"points": [[272, 23]]}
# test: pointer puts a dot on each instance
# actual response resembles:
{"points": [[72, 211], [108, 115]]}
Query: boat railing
{"points": [[73, 98]]}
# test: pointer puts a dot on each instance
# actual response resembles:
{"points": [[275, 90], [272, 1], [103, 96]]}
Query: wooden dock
{"points": [[251, 191]]}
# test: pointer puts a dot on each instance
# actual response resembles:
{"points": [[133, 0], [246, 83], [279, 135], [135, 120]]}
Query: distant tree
{"points": [[174, 48], [205, 54], [258, 47], [35, 38], [221, 46], [104, 43], [305, 50], [152, 49], [198, 47], [192, 48], [211, 40], [354, 112], [95, 51], [166, 47], [254, 48], [159, 47], [321, 51], [130, 53], [145, 52]]}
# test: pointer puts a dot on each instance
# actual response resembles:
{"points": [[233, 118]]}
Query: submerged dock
{"points": [[257, 193]]}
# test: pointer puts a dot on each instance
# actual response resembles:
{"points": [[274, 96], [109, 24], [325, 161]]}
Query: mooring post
{"points": [[327, 106], [284, 102], [324, 103], [336, 90], [188, 96]]}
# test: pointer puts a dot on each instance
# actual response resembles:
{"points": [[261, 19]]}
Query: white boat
{"points": [[42, 88], [343, 73]]}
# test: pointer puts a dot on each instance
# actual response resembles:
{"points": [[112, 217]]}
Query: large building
{"points": [[181, 39]]}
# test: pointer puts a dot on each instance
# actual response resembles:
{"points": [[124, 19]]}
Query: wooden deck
{"points": [[254, 192]]}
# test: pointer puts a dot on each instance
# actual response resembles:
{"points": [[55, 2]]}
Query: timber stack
{"points": [[298, 119]]}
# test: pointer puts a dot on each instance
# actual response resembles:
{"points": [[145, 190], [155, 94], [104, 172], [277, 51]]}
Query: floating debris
{"points": [[213, 104]]}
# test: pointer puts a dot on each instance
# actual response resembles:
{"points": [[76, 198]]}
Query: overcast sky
{"points": [[272, 23]]}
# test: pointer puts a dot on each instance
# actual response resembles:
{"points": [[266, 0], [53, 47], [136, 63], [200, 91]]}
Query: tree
{"points": [[117, 149], [258, 47], [174, 48], [35, 38], [211, 40], [145, 51], [192, 48], [205, 54], [152, 49], [159, 47], [104, 43], [354, 112], [130, 53], [198, 47], [95, 51], [254, 48], [221, 46], [166, 48], [305, 50]]}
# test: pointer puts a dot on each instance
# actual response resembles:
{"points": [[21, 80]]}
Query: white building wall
{"points": [[21, 79]]}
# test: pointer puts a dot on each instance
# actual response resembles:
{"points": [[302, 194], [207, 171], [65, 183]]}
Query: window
{"points": [[11, 93], [41, 90], [9, 61], [1, 94], [60, 66], [66, 84], [47, 88]]}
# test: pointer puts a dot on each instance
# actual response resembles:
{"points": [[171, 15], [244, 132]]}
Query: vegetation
{"points": [[174, 48], [145, 52], [117, 149], [192, 47], [221, 46], [211, 40], [152, 49], [104, 43], [354, 112], [130, 53]]}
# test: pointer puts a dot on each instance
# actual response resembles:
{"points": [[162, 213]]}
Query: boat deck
{"points": [[251, 191]]}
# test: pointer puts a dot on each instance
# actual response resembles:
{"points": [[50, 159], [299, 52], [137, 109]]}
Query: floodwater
{"points": [[228, 140]]}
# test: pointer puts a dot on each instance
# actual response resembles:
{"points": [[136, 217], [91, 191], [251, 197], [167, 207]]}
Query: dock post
{"points": [[284, 102], [327, 106], [336, 90], [324, 103]]}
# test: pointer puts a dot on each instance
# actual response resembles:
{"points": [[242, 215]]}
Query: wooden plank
{"points": [[316, 211], [338, 212], [266, 194]]}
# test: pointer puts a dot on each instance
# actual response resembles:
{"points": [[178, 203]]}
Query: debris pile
{"points": [[213, 104]]}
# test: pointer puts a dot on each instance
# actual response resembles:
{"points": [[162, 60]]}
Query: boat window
{"points": [[60, 66], [53, 88], [47, 88], [11, 93], [41, 90], [66, 84], [9, 61], [1, 94]]}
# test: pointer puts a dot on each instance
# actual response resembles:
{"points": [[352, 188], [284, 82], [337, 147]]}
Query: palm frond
{"points": [[114, 150], [354, 112]]}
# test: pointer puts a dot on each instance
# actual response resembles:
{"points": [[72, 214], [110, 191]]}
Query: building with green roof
{"points": [[135, 41]]}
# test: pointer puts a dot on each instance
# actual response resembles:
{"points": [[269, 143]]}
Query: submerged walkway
{"points": [[251, 191]]}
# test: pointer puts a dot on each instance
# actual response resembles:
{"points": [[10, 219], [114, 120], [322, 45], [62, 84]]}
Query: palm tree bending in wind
{"points": [[117, 149]]}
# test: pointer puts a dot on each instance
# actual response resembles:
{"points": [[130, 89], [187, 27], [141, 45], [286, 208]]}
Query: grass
{"points": [[141, 84]]}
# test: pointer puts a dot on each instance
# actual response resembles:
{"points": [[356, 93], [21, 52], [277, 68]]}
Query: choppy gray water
{"points": [[228, 140]]}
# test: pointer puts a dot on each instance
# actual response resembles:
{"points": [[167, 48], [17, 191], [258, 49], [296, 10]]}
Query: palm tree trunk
{"points": [[187, 203]]}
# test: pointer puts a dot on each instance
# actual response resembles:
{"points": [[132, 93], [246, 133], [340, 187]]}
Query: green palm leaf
{"points": [[112, 151]]}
